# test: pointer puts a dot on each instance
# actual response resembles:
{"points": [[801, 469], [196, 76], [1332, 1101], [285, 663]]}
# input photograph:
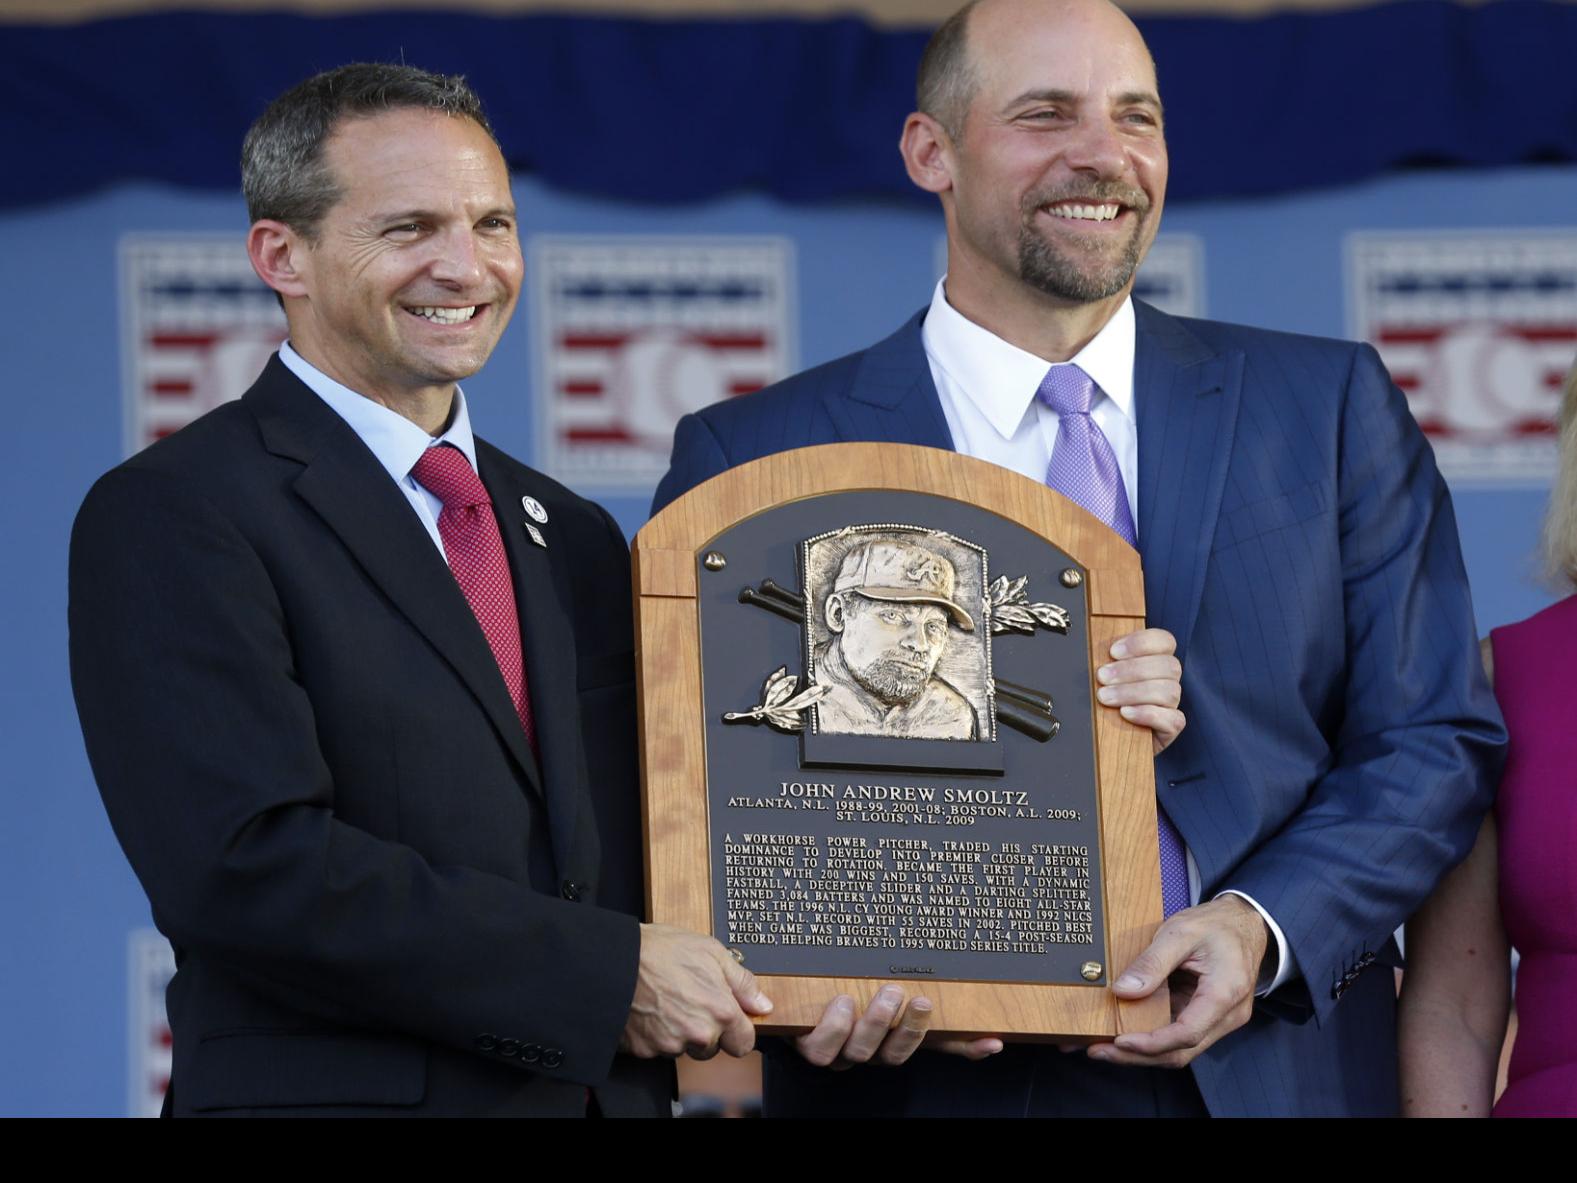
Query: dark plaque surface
{"points": [[861, 827]]}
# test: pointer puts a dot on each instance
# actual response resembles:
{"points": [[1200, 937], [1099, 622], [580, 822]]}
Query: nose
{"points": [[457, 258], [915, 639], [1096, 147]]}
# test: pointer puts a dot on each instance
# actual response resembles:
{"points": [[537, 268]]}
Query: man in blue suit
{"points": [[1298, 543]]}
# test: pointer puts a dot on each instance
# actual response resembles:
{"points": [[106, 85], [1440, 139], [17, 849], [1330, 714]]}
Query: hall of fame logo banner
{"points": [[1172, 276], [197, 326], [1478, 329], [150, 966], [633, 332]]}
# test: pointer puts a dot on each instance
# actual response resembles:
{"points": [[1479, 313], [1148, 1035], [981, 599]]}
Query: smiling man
{"points": [[1301, 564], [358, 688]]}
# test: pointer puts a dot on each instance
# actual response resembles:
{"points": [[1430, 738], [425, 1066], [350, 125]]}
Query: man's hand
{"points": [[1145, 681], [1210, 955], [691, 996], [887, 1033]]}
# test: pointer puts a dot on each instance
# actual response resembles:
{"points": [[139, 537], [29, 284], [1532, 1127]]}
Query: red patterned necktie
{"points": [[475, 551]]}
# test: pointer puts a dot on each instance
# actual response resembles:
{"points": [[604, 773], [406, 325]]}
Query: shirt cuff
{"points": [[1271, 977]]}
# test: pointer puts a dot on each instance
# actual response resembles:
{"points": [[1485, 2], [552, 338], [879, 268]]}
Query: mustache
{"points": [[898, 662], [1098, 193]]}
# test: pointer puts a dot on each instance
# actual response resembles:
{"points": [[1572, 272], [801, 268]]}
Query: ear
{"points": [[279, 256], [927, 152], [833, 612]]}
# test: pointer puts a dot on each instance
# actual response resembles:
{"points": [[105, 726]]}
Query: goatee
{"points": [[1080, 271]]}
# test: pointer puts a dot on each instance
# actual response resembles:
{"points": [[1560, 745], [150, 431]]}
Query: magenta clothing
{"points": [[1535, 665]]}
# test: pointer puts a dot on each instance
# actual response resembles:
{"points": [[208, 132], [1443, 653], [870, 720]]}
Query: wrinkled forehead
{"points": [[408, 148], [1086, 48]]}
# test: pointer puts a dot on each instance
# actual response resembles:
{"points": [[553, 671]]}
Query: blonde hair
{"points": [[1560, 522]]}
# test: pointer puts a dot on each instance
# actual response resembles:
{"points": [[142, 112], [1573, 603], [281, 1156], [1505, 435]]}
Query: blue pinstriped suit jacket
{"points": [[1341, 744]]}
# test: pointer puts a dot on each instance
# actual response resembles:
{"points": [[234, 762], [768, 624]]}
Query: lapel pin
{"points": [[536, 535], [534, 508]]}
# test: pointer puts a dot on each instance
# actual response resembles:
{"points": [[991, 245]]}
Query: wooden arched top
{"points": [[666, 546]]}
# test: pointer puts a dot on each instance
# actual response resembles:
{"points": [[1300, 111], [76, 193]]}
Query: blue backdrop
{"points": [[862, 265]]}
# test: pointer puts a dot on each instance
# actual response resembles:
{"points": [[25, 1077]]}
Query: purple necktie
{"points": [[1084, 469]]}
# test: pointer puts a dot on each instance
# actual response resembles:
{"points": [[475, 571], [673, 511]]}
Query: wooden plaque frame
{"points": [[673, 738]]}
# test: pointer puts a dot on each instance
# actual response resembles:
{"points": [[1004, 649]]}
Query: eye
{"points": [[497, 224], [404, 231], [892, 616]]}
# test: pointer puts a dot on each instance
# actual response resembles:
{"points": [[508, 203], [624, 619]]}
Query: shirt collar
{"points": [[1000, 379], [392, 438]]}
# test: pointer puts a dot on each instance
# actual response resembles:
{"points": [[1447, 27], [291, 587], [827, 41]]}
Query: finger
{"points": [[1168, 724], [703, 1053], [1154, 693], [822, 1045], [1173, 945], [1141, 669], [873, 1026], [1210, 1014], [1107, 1053], [1144, 643], [743, 983], [970, 1049], [902, 1041], [739, 1035]]}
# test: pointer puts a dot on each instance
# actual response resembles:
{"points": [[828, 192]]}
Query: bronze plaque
{"points": [[899, 751], [899, 744]]}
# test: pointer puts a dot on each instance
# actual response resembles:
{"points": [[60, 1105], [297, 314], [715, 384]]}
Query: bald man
{"points": [[1301, 562]]}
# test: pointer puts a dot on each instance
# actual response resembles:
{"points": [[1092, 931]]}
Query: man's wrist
{"points": [[1276, 964]]}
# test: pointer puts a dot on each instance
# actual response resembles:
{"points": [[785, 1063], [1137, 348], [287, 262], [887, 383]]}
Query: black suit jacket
{"points": [[379, 899]]}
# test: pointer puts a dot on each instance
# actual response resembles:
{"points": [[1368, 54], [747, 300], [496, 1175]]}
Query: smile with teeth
{"points": [[1085, 213], [445, 316]]}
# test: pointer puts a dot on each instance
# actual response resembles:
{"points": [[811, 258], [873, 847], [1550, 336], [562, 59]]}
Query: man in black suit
{"points": [[358, 688]]}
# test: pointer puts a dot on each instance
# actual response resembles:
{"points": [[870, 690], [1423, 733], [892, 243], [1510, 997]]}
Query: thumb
{"points": [[746, 990], [1151, 968]]}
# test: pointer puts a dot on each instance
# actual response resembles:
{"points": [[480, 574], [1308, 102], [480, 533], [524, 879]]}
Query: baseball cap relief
{"points": [[906, 574]]}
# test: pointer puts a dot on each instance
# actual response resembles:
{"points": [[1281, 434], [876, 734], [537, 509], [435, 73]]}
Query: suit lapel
{"points": [[352, 493], [547, 640], [892, 397], [1186, 401]]}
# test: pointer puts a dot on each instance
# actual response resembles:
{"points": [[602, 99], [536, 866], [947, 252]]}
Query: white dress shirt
{"points": [[987, 388], [393, 439]]}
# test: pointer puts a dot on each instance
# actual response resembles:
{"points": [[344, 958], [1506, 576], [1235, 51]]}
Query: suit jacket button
{"points": [[486, 1043], [552, 1057], [531, 1053], [570, 891], [508, 1047]]}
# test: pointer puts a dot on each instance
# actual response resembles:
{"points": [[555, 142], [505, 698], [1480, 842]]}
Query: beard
{"points": [[893, 680], [1081, 272]]}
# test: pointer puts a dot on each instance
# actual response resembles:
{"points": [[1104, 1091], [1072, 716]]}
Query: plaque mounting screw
{"points": [[739, 954], [714, 560], [1071, 578], [1091, 970]]}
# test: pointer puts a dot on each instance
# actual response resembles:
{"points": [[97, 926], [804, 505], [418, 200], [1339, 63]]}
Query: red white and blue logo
{"points": [[150, 966], [1478, 329], [1172, 276], [197, 327], [633, 332]]}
